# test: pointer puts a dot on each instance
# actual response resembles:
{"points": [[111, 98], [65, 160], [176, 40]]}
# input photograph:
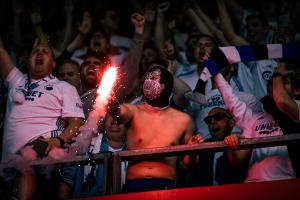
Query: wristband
{"points": [[61, 141]]}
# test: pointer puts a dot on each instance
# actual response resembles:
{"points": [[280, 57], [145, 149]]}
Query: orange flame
{"points": [[108, 80]]}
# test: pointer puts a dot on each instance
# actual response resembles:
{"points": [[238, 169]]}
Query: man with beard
{"points": [[213, 168], [154, 124], [91, 73], [266, 164], [42, 112]]}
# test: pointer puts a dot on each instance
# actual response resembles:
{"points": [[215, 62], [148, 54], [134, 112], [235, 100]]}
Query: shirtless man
{"points": [[154, 124]]}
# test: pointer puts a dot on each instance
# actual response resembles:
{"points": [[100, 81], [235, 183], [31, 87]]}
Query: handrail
{"points": [[103, 157], [129, 155], [192, 149], [211, 146], [98, 157]]}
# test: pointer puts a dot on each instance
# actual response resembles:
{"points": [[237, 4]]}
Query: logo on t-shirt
{"points": [[32, 95], [266, 75], [213, 101], [267, 128]]}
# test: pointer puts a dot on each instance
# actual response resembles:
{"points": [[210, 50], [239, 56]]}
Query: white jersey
{"points": [[266, 164], [42, 112], [254, 76]]}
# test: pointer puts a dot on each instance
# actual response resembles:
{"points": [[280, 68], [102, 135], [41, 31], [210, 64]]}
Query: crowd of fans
{"points": [[59, 50]]}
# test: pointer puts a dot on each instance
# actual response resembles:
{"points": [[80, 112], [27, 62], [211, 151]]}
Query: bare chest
{"points": [[151, 130]]}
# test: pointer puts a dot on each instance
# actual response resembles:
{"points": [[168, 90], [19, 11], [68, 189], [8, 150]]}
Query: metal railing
{"points": [[193, 149], [112, 161]]}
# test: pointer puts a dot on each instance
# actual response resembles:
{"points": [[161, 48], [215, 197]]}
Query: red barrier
{"points": [[281, 190]]}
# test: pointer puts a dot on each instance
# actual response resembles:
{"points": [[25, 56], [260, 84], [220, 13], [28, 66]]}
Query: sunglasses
{"points": [[218, 117], [86, 63]]}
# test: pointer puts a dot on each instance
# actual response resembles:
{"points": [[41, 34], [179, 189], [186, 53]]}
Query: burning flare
{"points": [[89, 129]]}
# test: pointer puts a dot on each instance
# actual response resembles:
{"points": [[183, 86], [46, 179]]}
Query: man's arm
{"points": [[180, 89], [83, 29], [283, 100], [121, 113], [190, 138], [74, 123], [6, 64], [210, 24], [227, 26], [130, 66]]}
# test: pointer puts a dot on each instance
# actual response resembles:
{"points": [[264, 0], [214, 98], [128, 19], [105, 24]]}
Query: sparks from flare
{"points": [[104, 90], [107, 83]]}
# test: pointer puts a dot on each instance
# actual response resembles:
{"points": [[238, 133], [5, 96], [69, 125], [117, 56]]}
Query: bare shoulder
{"points": [[180, 115]]}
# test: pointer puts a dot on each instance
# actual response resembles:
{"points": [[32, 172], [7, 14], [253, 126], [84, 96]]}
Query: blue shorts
{"points": [[148, 184]]}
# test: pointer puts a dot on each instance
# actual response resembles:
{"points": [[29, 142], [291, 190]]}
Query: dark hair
{"points": [[99, 29], [104, 58], [213, 39]]}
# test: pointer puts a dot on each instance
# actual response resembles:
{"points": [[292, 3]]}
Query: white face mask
{"points": [[152, 87]]}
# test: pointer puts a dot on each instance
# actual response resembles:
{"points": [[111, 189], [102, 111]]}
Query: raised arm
{"points": [[149, 19], [242, 116], [68, 10], [130, 66], [159, 27], [210, 24], [236, 9], [83, 29], [18, 8], [36, 19], [180, 89], [294, 22], [197, 21], [282, 98], [227, 26], [6, 64]]}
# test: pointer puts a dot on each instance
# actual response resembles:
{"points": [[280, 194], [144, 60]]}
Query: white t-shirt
{"points": [[41, 113], [269, 163], [254, 76], [266, 164]]}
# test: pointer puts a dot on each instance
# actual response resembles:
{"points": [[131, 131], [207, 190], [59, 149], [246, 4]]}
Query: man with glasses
{"points": [[269, 163], [214, 168]]}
